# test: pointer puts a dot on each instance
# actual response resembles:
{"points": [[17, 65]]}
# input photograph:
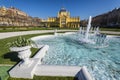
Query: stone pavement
{"points": [[12, 34]]}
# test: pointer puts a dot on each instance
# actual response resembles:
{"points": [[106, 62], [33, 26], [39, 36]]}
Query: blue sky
{"points": [[50, 8]]}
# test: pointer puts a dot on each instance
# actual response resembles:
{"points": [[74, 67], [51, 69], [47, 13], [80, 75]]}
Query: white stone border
{"points": [[66, 33], [37, 69], [41, 53], [49, 36], [113, 36], [55, 70], [41, 37], [84, 74]]}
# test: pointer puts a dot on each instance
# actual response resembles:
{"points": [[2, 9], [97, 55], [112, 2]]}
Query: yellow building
{"points": [[63, 20], [3, 10], [14, 11]]}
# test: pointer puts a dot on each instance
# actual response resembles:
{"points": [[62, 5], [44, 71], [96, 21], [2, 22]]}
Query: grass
{"points": [[15, 29], [3, 72], [110, 29], [7, 57], [46, 78]]}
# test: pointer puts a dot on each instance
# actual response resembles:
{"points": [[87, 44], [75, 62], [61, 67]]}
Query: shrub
{"points": [[20, 42]]}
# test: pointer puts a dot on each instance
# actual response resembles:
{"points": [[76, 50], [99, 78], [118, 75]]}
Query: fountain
{"points": [[97, 39], [96, 31], [66, 50], [88, 28], [86, 39], [55, 32]]}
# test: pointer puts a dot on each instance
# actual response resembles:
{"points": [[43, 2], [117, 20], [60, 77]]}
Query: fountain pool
{"points": [[102, 63]]}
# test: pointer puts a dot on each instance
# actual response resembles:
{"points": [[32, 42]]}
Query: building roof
{"points": [[62, 10]]}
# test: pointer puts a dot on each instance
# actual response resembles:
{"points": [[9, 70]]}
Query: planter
{"points": [[23, 53]]}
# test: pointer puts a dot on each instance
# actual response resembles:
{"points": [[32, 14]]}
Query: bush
{"points": [[20, 42]]}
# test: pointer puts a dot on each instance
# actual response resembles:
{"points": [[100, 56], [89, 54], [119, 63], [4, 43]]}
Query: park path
{"points": [[110, 32], [12, 34]]}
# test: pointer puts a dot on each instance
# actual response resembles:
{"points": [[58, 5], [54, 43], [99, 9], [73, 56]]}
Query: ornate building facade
{"points": [[63, 20], [15, 17]]}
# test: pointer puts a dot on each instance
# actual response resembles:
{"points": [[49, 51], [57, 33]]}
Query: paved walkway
{"points": [[110, 32], [12, 34]]}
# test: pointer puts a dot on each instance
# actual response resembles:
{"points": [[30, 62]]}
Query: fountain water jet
{"points": [[86, 39], [96, 31], [88, 28], [97, 39]]}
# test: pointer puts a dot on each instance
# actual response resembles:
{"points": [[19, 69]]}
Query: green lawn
{"points": [[110, 29], [15, 29], [3, 72], [7, 57]]}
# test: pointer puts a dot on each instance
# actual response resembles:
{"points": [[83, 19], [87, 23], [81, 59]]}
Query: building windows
{"points": [[64, 20]]}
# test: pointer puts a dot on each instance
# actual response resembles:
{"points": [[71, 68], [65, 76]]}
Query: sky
{"points": [[49, 8]]}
